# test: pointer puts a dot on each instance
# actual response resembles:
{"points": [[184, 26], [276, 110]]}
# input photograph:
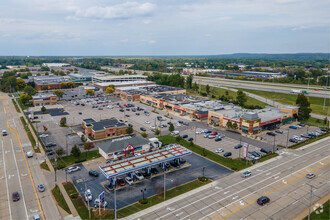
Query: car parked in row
{"points": [[93, 173], [227, 154], [73, 169], [129, 180]]}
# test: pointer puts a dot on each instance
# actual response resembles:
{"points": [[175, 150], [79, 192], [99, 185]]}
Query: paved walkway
{"points": [[68, 200]]}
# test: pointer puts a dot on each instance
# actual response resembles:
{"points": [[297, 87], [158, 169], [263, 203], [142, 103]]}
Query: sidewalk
{"points": [[68, 200]]}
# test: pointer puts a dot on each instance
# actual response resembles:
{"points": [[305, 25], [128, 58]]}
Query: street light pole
{"points": [[203, 171], [143, 190], [310, 201], [274, 143], [165, 184], [287, 139], [114, 196]]}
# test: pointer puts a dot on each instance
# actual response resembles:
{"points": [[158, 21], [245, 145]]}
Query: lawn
{"points": [[234, 164], [60, 199], [290, 99], [16, 106], [321, 213], [219, 92], [23, 107], [66, 161], [30, 136], [156, 199], [44, 166], [315, 122]]}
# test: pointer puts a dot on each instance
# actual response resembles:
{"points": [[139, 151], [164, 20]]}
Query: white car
{"points": [[88, 195], [29, 154], [110, 106], [147, 122], [178, 124], [129, 180], [152, 127], [73, 169], [246, 173], [298, 138], [138, 175], [44, 135], [199, 132], [219, 150], [97, 203]]}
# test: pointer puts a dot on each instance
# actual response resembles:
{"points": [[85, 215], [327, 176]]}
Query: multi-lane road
{"points": [[233, 197], [19, 173]]}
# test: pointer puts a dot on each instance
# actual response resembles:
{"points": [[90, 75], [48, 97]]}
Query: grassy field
{"points": [[156, 199], [290, 99], [219, 92], [60, 199], [316, 122], [234, 164], [65, 161], [321, 214]]}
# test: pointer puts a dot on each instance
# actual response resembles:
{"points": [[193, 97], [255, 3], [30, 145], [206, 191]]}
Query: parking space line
{"points": [[19, 180], [4, 167]]}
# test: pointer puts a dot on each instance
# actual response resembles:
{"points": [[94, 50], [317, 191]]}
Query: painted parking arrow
{"points": [[284, 181], [177, 215], [241, 202], [235, 197]]}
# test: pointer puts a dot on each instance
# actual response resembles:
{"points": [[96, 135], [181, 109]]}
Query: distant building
{"points": [[51, 81], [120, 78], [250, 74], [103, 86], [50, 65], [82, 77], [104, 129], [44, 99]]}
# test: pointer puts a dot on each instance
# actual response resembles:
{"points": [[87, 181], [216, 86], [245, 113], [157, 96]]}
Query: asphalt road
{"points": [[19, 173], [233, 197]]}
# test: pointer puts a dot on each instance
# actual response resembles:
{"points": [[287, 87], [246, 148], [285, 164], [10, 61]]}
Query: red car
{"points": [[15, 196], [121, 182], [214, 133]]}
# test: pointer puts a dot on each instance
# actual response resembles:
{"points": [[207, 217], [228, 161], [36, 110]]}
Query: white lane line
{"points": [[4, 109], [14, 123], [4, 167], [207, 196], [247, 194], [19, 180]]}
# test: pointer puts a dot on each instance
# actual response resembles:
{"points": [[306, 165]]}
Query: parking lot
{"points": [[132, 193]]}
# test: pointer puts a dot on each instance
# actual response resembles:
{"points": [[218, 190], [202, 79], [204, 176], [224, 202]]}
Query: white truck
{"points": [[297, 91]]}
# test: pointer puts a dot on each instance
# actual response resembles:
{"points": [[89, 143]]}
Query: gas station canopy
{"points": [[118, 168]]}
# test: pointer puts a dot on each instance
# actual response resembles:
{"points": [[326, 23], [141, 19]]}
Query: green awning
{"points": [[287, 119]]}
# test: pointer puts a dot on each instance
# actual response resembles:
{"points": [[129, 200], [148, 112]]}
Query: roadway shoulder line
{"points": [[4, 167]]}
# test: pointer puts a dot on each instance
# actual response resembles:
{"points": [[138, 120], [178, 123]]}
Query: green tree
{"points": [[241, 98], [325, 120], [59, 94], [171, 127], [75, 151], [45, 88], [71, 84], [29, 90], [304, 107], [207, 88], [88, 146], [25, 98], [235, 126], [129, 130], [59, 152], [195, 87], [20, 84], [157, 132], [229, 125], [189, 81], [43, 109], [143, 134], [63, 122], [90, 92], [83, 138]]}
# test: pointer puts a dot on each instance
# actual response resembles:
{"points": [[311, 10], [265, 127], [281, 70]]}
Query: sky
{"points": [[163, 27]]}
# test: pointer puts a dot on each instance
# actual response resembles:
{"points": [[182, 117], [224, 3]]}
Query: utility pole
{"points": [[195, 135], [165, 184], [325, 95], [287, 139], [89, 211], [66, 145], [274, 144], [310, 201]]}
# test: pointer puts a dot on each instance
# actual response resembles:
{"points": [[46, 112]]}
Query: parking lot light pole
{"points": [[274, 144], [203, 171], [164, 184], [114, 197], [143, 190], [287, 139], [89, 211]]}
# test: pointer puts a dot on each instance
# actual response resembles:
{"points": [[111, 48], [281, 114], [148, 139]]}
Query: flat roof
{"points": [[39, 96], [119, 77], [114, 145], [123, 83], [132, 164], [147, 89]]}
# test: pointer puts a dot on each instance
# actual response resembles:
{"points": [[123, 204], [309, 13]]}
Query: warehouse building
{"points": [[50, 65], [51, 81]]}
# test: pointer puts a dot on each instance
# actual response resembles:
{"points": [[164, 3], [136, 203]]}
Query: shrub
{"points": [[144, 201], [203, 179]]}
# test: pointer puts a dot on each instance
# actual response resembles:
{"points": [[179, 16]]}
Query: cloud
{"points": [[152, 41], [120, 11]]}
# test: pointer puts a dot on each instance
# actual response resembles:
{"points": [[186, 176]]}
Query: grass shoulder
{"points": [[60, 199], [16, 106], [66, 161], [44, 166], [321, 213]]}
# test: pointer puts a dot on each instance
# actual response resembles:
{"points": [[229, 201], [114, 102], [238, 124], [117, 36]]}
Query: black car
{"points": [[218, 139], [190, 139], [293, 140], [154, 170], [174, 163], [271, 133], [137, 113], [50, 153], [145, 173], [127, 109], [15, 196], [238, 146], [121, 110], [263, 150], [143, 129], [169, 123], [263, 200], [227, 154], [181, 122], [279, 131], [80, 113], [93, 173], [82, 104], [109, 186], [50, 144], [301, 125], [130, 125], [184, 136], [127, 116]]}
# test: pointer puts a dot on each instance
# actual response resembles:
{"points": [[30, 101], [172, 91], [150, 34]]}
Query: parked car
{"points": [[184, 136], [293, 127], [154, 170], [29, 154], [279, 131], [4, 133], [227, 154], [44, 135], [137, 113], [190, 139], [121, 182], [263, 200], [147, 122], [298, 138], [238, 146], [93, 173], [129, 180], [121, 110], [256, 155], [15, 196], [50, 153], [271, 133], [305, 136], [263, 150], [310, 175], [88, 195], [211, 136], [311, 134], [175, 133], [206, 135], [127, 116], [72, 169], [109, 186], [130, 125], [293, 140], [246, 174], [207, 132], [217, 139], [185, 123], [97, 203], [145, 173], [143, 129], [174, 163], [41, 187], [301, 125], [51, 144], [220, 135], [219, 150], [138, 175]]}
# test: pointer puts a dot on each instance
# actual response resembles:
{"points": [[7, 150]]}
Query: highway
{"points": [[19, 173], [282, 179]]}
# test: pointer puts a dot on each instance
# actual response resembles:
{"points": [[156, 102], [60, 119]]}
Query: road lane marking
{"points": [[276, 177], [4, 167], [273, 191], [226, 192], [289, 161], [235, 197], [19, 180], [285, 182], [27, 165]]}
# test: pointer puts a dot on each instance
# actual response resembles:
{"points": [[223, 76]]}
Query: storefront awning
{"points": [[287, 119]]}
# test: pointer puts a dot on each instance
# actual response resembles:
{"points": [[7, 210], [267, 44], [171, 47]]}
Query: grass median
{"points": [[65, 161], [60, 199], [30, 136], [234, 164], [16, 106]]}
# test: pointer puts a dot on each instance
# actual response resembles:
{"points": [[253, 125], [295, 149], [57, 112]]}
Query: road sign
{"points": [[245, 150], [101, 197]]}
